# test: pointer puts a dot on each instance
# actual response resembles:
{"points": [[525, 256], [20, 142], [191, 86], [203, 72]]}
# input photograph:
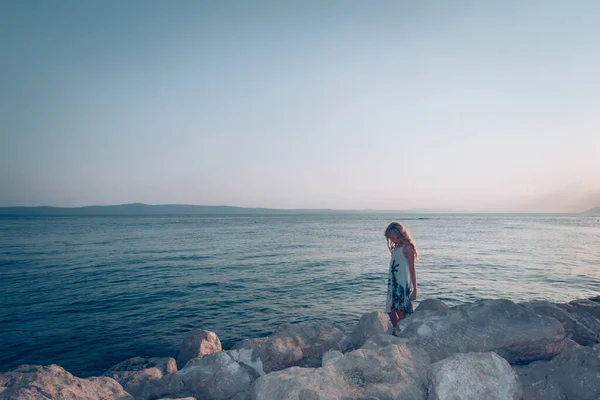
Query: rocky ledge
{"points": [[488, 349]]}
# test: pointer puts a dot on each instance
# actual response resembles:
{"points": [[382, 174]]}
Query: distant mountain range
{"points": [[184, 209]]}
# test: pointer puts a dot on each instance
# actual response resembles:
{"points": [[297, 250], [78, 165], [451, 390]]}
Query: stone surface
{"points": [[474, 376], [301, 345], [330, 356], [53, 382], [514, 333], [573, 329], [369, 324], [591, 305], [383, 340], [250, 354], [390, 372], [166, 365], [573, 374], [178, 398], [135, 372], [241, 396], [297, 383], [215, 376], [290, 345], [135, 382], [431, 305], [170, 385], [197, 343], [586, 312]]}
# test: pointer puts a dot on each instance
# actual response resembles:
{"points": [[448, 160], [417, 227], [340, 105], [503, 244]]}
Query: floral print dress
{"points": [[398, 293]]}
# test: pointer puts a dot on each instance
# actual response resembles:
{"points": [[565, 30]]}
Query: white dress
{"points": [[399, 283]]}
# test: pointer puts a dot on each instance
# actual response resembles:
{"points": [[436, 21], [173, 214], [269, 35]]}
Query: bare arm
{"points": [[409, 253]]}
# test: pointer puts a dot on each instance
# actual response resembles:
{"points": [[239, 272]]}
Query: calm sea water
{"points": [[88, 292]]}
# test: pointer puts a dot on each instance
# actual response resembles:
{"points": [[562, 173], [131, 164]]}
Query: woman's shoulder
{"points": [[398, 251], [408, 250], [405, 251], [408, 247]]}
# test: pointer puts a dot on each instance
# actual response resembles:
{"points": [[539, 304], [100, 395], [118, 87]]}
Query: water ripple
{"points": [[88, 292]]}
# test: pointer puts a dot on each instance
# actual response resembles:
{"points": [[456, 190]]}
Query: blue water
{"points": [[88, 292]]}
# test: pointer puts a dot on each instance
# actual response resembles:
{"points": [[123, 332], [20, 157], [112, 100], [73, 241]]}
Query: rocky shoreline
{"points": [[488, 349]]}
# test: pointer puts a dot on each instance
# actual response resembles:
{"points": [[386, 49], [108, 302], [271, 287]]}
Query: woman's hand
{"points": [[414, 294]]}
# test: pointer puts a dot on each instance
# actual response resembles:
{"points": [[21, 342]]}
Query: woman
{"points": [[402, 278]]}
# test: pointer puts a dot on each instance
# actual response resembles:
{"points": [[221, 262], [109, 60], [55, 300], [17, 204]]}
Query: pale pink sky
{"points": [[482, 106]]}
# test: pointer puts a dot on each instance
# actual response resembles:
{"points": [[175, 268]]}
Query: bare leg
{"points": [[397, 316], [394, 317], [401, 314]]}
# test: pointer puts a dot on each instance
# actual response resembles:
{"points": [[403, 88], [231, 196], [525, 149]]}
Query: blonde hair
{"points": [[396, 229]]}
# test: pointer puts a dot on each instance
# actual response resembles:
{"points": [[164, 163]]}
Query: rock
{"points": [[369, 324], [515, 334], [591, 305], [301, 345], [242, 396], [330, 356], [135, 372], [431, 305], [474, 376], [170, 385], [166, 365], [248, 353], [573, 374], [179, 398], [290, 345], [383, 340], [573, 329], [586, 312], [215, 376], [390, 372], [297, 383], [197, 343], [53, 382], [393, 371], [134, 383]]}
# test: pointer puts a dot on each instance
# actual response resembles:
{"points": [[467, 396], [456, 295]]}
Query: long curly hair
{"points": [[398, 230]]}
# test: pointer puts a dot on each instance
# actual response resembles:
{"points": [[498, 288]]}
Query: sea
{"points": [[88, 292]]}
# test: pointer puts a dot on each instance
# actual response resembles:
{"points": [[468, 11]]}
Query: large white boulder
{"points": [[215, 376], [473, 376], [395, 371], [513, 332], [574, 329]]}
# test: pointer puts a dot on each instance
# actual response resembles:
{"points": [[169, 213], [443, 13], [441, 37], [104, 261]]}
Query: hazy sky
{"points": [[481, 105]]}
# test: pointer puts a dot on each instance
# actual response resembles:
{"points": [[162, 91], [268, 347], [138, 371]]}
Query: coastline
{"points": [[520, 346]]}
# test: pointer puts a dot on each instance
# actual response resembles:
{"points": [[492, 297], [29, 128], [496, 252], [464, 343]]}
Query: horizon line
{"points": [[407, 210], [230, 206]]}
